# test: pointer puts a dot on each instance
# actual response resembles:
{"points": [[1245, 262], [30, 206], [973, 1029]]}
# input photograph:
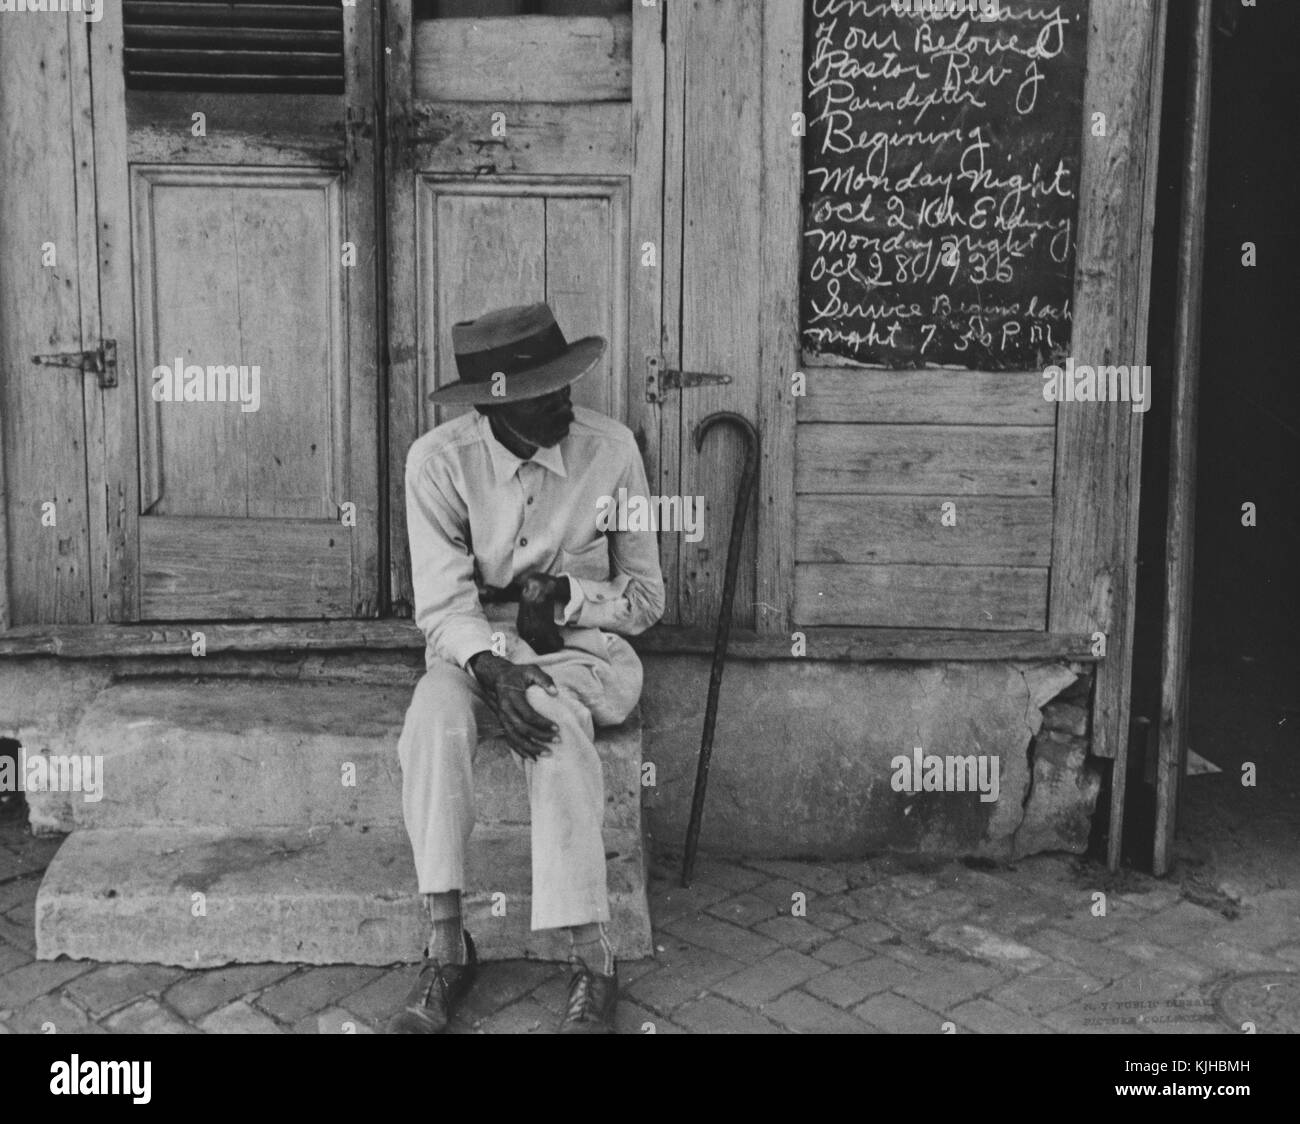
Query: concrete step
{"points": [[251, 753], [317, 895]]}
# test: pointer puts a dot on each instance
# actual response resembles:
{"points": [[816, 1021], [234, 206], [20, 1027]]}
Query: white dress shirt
{"points": [[479, 515]]}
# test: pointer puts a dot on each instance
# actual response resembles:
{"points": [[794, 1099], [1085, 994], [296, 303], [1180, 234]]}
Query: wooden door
{"points": [[235, 182], [525, 157]]}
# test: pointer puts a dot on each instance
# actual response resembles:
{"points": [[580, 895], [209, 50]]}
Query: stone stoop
{"points": [[280, 803]]}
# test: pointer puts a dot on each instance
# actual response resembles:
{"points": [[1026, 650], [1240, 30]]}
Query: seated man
{"points": [[502, 507]]}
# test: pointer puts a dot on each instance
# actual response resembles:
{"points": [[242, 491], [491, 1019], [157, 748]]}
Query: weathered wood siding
{"points": [[42, 408], [923, 499]]}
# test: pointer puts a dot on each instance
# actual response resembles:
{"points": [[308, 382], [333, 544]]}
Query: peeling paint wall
{"points": [[802, 757]]}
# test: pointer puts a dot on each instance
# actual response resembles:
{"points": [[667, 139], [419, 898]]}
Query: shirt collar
{"points": [[505, 464]]}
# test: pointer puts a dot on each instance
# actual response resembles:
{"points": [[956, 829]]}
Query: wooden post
{"points": [[364, 336], [47, 565], [98, 403], [117, 427], [1180, 525], [401, 357], [1098, 451], [646, 284], [781, 185]]}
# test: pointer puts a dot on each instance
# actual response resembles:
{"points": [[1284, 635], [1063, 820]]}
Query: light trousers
{"points": [[598, 677]]}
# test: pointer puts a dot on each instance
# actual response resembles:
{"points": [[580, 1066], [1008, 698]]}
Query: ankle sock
{"points": [[591, 945], [447, 941]]}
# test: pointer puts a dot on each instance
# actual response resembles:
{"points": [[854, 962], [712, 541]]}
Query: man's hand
{"points": [[529, 734], [538, 595]]}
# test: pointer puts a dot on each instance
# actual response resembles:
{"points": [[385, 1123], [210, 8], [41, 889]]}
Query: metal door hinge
{"points": [[659, 379], [102, 361]]}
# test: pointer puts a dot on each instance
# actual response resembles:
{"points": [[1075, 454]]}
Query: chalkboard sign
{"points": [[941, 179]]}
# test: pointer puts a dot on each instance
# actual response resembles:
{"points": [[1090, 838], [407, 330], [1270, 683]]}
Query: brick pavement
{"points": [[881, 945]]}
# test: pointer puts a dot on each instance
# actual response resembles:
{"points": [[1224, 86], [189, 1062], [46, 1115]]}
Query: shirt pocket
{"points": [[590, 561]]}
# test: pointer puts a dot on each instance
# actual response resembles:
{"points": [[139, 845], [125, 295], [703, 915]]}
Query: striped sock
{"points": [[591, 946], [447, 941]]}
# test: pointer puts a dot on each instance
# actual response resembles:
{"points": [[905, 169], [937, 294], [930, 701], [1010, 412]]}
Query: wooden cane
{"points": [[748, 479]]}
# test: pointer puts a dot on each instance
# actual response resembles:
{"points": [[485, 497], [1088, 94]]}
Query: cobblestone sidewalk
{"points": [[885, 945]]}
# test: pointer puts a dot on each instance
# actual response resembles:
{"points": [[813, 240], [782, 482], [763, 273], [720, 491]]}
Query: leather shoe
{"points": [[438, 991], [593, 999]]}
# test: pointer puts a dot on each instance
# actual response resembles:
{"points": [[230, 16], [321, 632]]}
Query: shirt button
{"points": [[523, 542]]}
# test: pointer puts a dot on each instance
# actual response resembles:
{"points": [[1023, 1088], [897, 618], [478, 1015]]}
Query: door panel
{"points": [[224, 258], [240, 193], [582, 246], [303, 570], [717, 158], [481, 252], [522, 239]]}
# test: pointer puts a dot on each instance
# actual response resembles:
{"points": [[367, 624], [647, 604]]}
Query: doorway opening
{"points": [[1238, 809]]}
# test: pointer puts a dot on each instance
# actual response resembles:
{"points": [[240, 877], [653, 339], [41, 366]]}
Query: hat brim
{"points": [[534, 382]]}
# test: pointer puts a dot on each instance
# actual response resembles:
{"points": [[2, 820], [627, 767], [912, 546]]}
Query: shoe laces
{"points": [[581, 997], [432, 978]]}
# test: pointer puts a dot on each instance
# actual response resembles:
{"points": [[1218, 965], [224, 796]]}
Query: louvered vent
{"points": [[239, 46]]}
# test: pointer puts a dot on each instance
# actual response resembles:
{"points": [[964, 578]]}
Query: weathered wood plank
{"points": [[269, 568], [963, 597], [781, 186], [92, 396], [192, 455], [234, 38], [668, 480], [1112, 697], [120, 420], [42, 407], [1098, 449], [225, 14], [646, 281], [483, 252], [280, 85], [594, 139], [840, 645], [924, 460], [989, 530], [401, 350], [721, 307], [934, 396], [272, 129], [359, 309], [286, 245], [540, 58], [1180, 526], [210, 63], [1095, 442], [583, 286]]}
